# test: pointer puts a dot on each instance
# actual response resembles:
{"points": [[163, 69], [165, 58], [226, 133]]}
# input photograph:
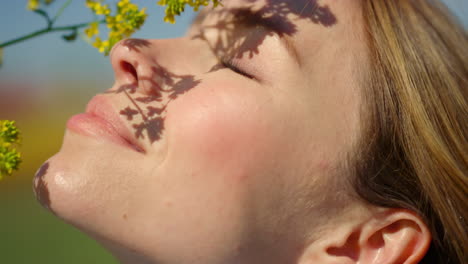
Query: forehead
{"points": [[312, 27], [302, 20], [285, 10], [316, 11]]}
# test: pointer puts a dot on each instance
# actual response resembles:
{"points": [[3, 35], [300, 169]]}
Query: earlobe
{"points": [[395, 236]]}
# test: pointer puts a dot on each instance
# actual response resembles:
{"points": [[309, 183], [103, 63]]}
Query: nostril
{"points": [[129, 69]]}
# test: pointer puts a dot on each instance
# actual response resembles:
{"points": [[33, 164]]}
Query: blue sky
{"points": [[48, 57]]}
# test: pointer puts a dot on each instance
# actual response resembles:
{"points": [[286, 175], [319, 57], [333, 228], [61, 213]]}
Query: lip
{"points": [[101, 120]]}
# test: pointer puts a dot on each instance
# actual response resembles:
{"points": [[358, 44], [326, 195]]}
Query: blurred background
{"points": [[43, 82]]}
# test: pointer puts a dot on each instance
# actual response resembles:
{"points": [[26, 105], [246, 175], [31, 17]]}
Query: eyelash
{"points": [[230, 64]]}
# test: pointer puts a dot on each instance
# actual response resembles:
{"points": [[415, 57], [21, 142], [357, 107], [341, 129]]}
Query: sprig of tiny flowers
{"points": [[10, 158], [176, 7], [127, 18], [35, 4], [122, 23]]}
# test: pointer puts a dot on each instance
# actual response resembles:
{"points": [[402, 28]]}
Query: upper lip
{"points": [[100, 106]]}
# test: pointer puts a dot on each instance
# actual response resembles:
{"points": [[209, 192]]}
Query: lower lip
{"points": [[94, 126]]}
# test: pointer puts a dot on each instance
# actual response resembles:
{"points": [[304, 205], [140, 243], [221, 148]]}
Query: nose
{"points": [[135, 65]]}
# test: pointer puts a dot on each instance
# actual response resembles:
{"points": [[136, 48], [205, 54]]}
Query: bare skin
{"points": [[211, 164]]}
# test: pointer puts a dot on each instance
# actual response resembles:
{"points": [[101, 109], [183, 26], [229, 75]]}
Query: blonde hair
{"points": [[413, 150]]}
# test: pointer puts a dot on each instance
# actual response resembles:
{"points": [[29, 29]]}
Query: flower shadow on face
{"points": [[230, 41], [152, 117], [275, 15]]}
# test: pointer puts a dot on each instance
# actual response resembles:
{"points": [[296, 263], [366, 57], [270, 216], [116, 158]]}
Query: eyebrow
{"points": [[254, 20]]}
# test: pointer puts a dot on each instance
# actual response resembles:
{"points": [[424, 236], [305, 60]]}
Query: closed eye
{"points": [[230, 64]]}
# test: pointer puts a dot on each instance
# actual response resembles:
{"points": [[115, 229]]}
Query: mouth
{"points": [[102, 121]]}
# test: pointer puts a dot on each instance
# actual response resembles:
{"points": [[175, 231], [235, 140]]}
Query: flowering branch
{"points": [[122, 23]]}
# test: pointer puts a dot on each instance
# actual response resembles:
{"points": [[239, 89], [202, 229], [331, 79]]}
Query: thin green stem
{"points": [[44, 31], [44, 14], [59, 13]]}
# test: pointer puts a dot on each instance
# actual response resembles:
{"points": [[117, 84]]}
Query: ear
{"points": [[384, 236], [394, 236]]}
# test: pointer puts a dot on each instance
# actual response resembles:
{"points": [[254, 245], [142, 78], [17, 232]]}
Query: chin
{"points": [[75, 184]]}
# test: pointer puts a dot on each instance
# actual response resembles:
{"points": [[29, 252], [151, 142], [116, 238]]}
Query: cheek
{"points": [[227, 127], [218, 139]]}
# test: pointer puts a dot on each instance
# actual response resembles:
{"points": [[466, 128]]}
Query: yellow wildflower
{"points": [[33, 4], [97, 7], [92, 30], [10, 158], [123, 3], [176, 7], [102, 46], [123, 21], [126, 20]]}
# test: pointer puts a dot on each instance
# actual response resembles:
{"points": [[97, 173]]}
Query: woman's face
{"points": [[185, 160]]}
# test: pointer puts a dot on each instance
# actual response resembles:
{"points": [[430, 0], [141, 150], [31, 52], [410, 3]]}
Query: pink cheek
{"points": [[225, 140], [228, 131]]}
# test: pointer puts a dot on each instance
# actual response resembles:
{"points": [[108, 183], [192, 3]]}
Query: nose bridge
{"points": [[161, 69]]}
